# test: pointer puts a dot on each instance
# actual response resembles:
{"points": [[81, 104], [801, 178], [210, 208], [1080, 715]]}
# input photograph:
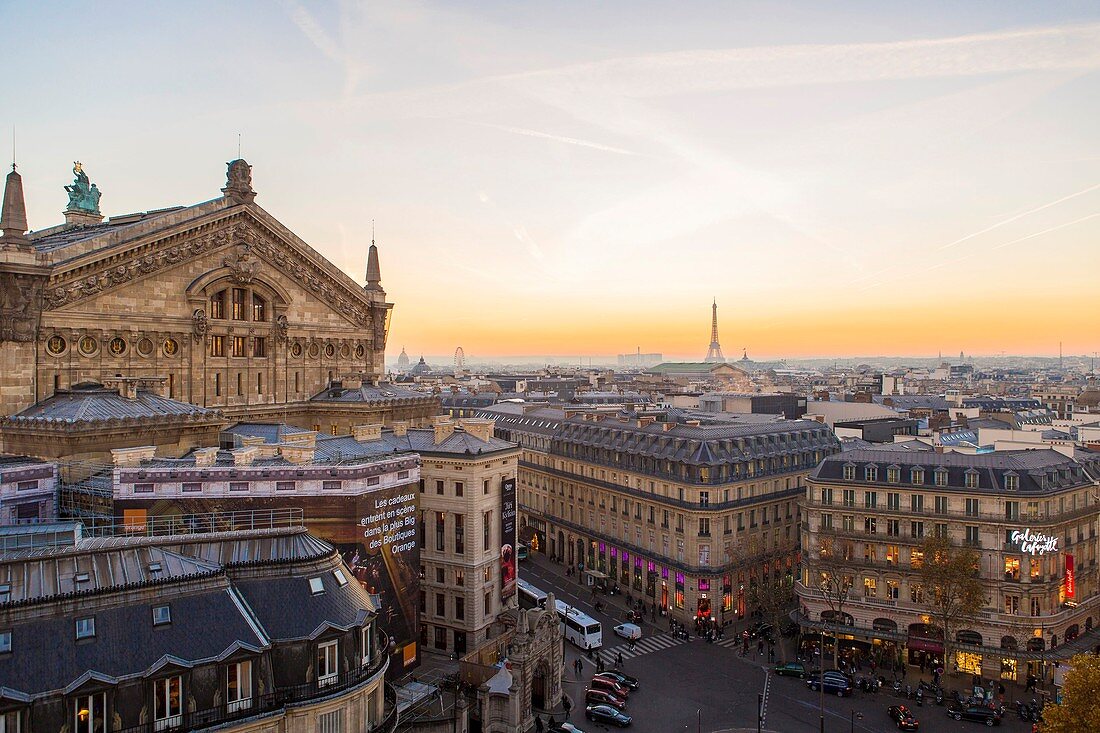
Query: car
{"points": [[976, 713], [634, 617], [610, 685], [903, 717], [521, 551], [623, 679], [835, 683], [629, 631], [603, 697], [794, 669], [762, 630], [565, 727], [607, 714]]}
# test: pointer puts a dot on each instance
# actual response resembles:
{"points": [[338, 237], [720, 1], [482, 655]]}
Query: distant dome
{"points": [[403, 361], [421, 367]]}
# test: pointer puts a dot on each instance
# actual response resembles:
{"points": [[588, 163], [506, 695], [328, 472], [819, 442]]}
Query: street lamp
{"points": [[854, 717]]}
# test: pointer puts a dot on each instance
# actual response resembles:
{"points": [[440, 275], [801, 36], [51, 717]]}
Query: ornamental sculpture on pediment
{"points": [[242, 265], [252, 247]]}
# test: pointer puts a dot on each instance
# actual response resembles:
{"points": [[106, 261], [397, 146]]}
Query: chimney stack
{"points": [[366, 433], [132, 457], [400, 428], [481, 429], [443, 430], [205, 457]]}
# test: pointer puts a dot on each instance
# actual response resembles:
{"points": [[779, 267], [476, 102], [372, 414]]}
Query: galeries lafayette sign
{"points": [[1034, 543]]}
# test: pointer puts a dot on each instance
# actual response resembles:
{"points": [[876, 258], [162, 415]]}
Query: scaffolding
{"points": [[86, 495]]}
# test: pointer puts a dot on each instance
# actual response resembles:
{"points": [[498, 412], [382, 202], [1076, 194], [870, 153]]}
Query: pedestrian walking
{"points": [[538, 724], [619, 660], [771, 653]]}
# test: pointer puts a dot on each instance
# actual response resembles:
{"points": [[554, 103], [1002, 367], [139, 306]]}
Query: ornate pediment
{"points": [[247, 242]]}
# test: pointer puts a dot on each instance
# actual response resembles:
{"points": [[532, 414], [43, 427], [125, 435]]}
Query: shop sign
{"points": [[1071, 577], [1034, 543]]}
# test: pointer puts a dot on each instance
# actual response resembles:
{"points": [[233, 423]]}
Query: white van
{"points": [[629, 631]]}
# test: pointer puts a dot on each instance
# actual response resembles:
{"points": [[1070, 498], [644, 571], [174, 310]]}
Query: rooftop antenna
{"points": [[13, 147], [238, 146], [372, 231]]}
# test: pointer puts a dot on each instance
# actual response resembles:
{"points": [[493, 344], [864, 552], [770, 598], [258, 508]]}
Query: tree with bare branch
{"points": [[829, 570], [773, 594], [953, 589]]}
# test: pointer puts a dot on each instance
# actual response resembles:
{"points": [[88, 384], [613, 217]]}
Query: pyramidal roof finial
{"points": [[374, 271], [13, 215]]}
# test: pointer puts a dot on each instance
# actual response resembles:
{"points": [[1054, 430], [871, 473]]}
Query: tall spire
{"points": [[714, 352], [13, 217], [374, 272]]}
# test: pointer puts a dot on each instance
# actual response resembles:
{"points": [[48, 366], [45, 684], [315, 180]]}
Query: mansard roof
{"points": [[680, 436], [1041, 470], [227, 592]]}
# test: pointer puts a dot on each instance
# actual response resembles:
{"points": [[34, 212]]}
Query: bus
{"points": [[530, 596], [579, 628]]}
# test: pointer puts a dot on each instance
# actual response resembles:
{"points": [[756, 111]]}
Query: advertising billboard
{"points": [[375, 533], [507, 538], [1070, 584]]}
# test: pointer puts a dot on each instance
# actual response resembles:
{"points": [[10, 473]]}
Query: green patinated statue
{"points": [[83, 195]]}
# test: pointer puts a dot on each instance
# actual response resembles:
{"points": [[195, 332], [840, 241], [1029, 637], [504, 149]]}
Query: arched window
{"points": [[238, 304]]}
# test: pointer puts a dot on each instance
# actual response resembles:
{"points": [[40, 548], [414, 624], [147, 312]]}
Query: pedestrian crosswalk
{"points": [[645, 645]]}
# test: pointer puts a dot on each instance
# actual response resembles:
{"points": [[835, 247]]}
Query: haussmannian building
{"points": [[685, 512], [1031, 514], [244, 631]]}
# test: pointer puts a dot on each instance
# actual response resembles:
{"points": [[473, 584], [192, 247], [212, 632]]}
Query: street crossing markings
{"points": [[645, 645]]}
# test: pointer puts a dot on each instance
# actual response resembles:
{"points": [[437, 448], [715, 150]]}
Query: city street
{"points": [[695, 686]]}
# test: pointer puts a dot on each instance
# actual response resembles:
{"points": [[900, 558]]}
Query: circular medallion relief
{"points": [[360, 351], [171, 347], [117, 346], [345, 351], [144, 346], [296, 350], [88, 346], [330, 350], [56, 345], [314, 350]]}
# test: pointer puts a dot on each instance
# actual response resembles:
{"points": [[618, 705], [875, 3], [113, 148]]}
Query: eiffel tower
{"points": [[714, 353]]}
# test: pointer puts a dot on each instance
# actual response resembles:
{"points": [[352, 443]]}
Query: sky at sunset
{"points": [[888, 178]]}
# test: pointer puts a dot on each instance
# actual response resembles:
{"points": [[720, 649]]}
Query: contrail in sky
{"points": [[1020, 216], [557, 138], [1051, 229]]}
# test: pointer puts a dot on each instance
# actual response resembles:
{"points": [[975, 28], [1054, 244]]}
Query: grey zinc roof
{"points": [[46, 656], [369, 393], [95, 403], [721, 439], [1031, 466], [287, 608], [43, 573]]}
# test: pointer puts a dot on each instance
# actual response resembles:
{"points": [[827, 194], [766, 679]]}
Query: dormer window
{"points": [[971, 479], [85, 627], [871, 473], [893, 474], [1012, 482], [316, 586], [849, 472], [916, 476], [941, 477]]}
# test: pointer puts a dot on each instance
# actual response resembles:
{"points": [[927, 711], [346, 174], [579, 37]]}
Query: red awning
{"points": [[922, 644]]}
